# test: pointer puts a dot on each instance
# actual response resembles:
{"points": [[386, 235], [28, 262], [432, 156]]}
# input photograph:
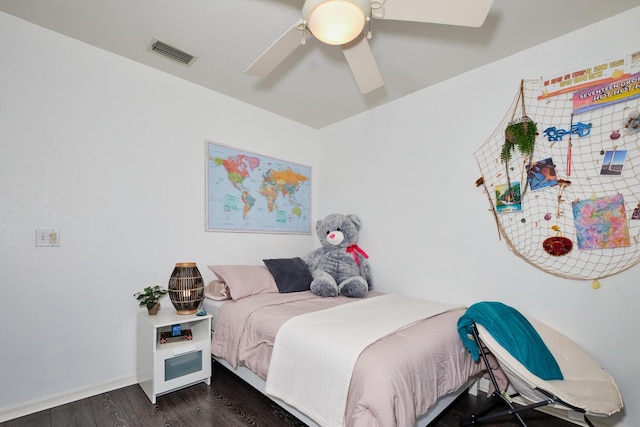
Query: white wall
{"points": [[112, 153], [410, 173]]}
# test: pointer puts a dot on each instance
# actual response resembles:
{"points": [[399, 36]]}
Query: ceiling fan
{"points": [[341, 22]]}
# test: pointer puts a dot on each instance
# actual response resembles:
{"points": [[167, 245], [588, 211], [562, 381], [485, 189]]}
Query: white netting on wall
{"points": [[525, 231]]}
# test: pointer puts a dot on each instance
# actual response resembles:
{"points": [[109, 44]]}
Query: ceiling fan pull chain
{"points": [[369, 28], [303, 41]]}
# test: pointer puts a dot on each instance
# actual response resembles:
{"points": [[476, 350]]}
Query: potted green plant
{"points": [[150, 298], [521, 134]]}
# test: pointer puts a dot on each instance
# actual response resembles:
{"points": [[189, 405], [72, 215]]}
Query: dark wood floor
{"points": [[228, 402]]}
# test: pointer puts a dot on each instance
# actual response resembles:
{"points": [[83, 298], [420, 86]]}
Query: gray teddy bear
{"points": [[339, 267]]}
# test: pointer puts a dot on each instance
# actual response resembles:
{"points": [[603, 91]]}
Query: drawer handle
{"points": [[187, 350]]}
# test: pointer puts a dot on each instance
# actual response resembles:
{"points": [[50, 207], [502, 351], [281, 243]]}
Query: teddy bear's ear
{"points": [[356, 221]]}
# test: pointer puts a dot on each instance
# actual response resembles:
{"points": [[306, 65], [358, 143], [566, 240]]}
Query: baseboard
{"points": [[26, 408], [568, 415]]}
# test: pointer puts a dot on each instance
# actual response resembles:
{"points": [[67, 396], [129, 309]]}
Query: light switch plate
{"points": [[47, 237]]}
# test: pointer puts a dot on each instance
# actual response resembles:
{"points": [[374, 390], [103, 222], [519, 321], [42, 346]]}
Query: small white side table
{"points": [[169, 366]]}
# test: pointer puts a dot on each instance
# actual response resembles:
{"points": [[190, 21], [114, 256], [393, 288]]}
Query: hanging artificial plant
{"points": [[520, 133]]}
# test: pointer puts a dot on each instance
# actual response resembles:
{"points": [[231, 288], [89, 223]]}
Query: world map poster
{"points": [[249, 192]]}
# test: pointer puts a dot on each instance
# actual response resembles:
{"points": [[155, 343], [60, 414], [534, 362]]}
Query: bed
{"points": [[405, 377]]}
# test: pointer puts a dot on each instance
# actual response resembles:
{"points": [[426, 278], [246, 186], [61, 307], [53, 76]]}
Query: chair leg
{"points": [[479, 417], [555, 399], [496, 398], [493, 401]]}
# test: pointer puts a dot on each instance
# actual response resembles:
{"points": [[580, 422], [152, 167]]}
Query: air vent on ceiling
{"points": [[171, 52]]}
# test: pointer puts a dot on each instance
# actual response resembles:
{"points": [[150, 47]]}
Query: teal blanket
{"points": [[514, 333]]}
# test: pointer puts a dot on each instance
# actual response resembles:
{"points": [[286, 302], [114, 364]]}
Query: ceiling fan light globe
{"points": [[335, 22]]}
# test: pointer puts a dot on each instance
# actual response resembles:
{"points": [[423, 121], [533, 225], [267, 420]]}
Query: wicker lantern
{"points": [[186, 288]]}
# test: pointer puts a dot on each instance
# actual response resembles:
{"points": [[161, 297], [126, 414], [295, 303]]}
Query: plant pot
{"points": [[520, 134], [154, 310]]}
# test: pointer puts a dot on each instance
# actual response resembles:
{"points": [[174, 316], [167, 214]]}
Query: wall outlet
{"points": [[47, 237]]}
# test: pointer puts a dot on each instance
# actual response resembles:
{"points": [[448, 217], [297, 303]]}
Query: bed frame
{"points": [[259, 384]]}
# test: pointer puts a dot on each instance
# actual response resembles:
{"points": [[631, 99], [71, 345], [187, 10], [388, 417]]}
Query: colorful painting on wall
{"points": [[542, 174], [613, 162], [601, 223], [508, 199]]}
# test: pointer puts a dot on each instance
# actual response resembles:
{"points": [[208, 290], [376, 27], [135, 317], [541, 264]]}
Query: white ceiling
{"points": [[314, 86]]}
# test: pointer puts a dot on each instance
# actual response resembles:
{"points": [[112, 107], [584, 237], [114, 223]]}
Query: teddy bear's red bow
{"points": [[355, 250]]}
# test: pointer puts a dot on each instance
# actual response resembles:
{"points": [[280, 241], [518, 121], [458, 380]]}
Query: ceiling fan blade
{"points": [[466, 13], [278, 51], [363, 64]]}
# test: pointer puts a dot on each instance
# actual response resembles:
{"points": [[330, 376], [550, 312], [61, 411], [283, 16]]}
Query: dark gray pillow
{"points": [[290, 274]]}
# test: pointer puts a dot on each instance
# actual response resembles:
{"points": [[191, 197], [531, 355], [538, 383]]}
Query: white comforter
{"points": [[314, 354]]}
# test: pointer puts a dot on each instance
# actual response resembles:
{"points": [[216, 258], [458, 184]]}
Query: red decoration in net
{"points": [[557, 245]]}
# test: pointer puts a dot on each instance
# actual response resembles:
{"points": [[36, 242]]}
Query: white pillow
{"points": [[217, 290]]}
